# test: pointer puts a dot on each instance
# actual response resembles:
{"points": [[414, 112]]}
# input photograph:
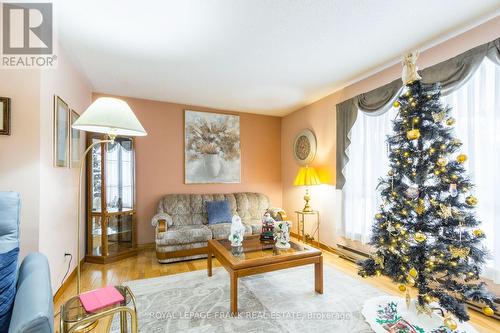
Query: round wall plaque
{"points": [[304, 147]]}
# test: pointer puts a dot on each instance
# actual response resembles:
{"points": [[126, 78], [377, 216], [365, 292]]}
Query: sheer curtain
{"points": [[368, 161], [476, 107]]}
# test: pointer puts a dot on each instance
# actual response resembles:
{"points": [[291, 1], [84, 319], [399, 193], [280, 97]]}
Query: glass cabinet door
{"points": [[96, 177], [119, 174], [110, 200]]}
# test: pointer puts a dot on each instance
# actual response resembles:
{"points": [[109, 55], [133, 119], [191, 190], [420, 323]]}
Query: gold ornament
{"points": [[488, 311], [413, 134], [416, 120], [442, 161], [432, 151], [419, 237], [471, 200], [378, 273], [378, 216], [406, 154], [402, 288], [445, 211], [413, 272], [450, 121], [420, 209], [462, 158], [438, 116], [458, 252], [454, 177], [450, 323], [427, 298], [437, 172], [396, 104], [405, 259], [413, 104], [478, 232], [442, 147]]}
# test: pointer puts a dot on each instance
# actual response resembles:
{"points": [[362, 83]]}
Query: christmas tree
{"points": [[426, 234]]}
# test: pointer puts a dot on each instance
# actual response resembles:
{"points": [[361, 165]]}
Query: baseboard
{"points": [[146, 246], [66, 283]]}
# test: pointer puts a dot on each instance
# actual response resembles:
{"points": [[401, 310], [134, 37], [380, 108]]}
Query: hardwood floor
{"points": [[144, 265]]}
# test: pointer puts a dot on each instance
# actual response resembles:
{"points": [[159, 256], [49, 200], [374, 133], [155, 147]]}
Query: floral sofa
{"points": [[181, 223]]}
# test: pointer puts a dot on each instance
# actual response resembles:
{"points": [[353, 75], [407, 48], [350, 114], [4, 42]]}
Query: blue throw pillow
{"points": [[218, 212], [8, 277]]}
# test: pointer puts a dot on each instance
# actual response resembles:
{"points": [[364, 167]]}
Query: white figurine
{"points": [[237, 231], [410, 69], [282, 234]]}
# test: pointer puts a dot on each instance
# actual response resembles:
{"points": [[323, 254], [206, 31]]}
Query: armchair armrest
{"points": [[161, 222], [278, 214], [33, 307]]}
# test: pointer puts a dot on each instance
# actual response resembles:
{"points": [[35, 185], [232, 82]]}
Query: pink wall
{"points": [[320, 117], [19, 152], [58, 186], [160, 158]]}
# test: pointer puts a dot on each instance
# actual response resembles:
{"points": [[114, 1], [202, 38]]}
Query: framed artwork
{"points": [[75, 149], [4, 116], [211, 148], [61, 132], [304, 147]]}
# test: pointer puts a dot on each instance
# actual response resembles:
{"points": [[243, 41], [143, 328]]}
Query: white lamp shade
{"points": [[110, 116]]}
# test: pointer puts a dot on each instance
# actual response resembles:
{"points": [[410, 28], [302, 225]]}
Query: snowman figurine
{"points": [[237, 231], [282, 234]]}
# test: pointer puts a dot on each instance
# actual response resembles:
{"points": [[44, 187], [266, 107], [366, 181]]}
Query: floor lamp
{"points": [[110, 116]]}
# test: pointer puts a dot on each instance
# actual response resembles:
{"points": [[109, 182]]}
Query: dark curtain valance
{"points": [[452, 74]]}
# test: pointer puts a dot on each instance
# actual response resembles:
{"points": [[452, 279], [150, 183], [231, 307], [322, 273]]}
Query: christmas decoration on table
{"points": [[236, 232], [437, 247], [267, 233], [282, 234], [389, 314]]}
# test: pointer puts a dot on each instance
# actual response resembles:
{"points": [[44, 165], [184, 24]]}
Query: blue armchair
{"points": [[33, 307]]}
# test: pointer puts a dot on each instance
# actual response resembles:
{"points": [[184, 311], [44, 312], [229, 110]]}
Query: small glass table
{"points": [[256, 257], [75, 318]]}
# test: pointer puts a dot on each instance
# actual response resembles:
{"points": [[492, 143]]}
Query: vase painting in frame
{"points": [[211, 148], [61, 132]]}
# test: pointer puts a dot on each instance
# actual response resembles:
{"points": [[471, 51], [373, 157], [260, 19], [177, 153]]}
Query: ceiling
{"points": [[260, 56]]}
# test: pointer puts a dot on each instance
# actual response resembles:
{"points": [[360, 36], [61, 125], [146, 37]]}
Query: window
{"points": [[476, 107]]}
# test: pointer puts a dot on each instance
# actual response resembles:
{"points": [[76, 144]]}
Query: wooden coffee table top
{"points": [[256, 253]]}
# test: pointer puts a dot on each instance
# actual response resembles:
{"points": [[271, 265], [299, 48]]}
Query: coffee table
{"points": [[256, 257]]}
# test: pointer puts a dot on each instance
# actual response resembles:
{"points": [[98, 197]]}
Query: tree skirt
{"points": [[390, 314]]}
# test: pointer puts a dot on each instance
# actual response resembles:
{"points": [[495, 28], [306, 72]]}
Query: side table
{"points": [[301, 220], [74, 316]]}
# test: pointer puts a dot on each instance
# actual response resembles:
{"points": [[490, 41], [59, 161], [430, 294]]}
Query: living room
{"points": [[274, 166]]}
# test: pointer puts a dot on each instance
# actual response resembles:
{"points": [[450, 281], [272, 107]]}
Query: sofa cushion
{"points": [[251, 206], [255, 225], [222, 230], [218, 212], [184, 234]]}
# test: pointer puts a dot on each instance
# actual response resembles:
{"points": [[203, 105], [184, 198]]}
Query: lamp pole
{"points": [[78, 205]]}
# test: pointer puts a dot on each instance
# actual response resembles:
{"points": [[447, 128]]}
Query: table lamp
{"points": [[307, 176], [110, 116]]}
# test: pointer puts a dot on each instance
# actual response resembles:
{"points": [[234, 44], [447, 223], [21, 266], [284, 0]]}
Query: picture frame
{"points": [[5, 116], [75, 137], [61, 132], [212, 150]]}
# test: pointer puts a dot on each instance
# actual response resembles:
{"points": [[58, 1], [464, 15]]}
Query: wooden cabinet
{"points": [[111, 215]]}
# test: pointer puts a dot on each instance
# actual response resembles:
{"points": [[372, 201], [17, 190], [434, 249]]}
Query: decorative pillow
{"points": [[218, 212], [8, 277]]}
